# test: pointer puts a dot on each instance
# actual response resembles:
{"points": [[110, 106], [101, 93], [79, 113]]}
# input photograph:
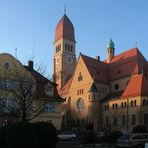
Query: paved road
{"points": [[76, 144], [69, 144]]}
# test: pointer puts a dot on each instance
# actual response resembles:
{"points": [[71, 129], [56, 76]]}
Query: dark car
{"points": [[132, 140]]}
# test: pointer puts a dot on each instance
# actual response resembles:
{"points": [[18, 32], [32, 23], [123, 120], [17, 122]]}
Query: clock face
{"points": [[80, 104], [69, 59], [57, 60]]}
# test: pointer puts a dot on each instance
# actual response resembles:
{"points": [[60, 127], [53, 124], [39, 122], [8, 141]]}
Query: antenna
{"points": [[16, 52], [136, 44], [64, 9]]}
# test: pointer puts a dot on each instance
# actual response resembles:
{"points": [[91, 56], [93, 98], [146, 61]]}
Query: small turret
{"points": [[110, 51]]}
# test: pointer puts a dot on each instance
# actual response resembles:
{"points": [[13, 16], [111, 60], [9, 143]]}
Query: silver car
{"points": [[132, 140], [67, 135], [146, 144]]}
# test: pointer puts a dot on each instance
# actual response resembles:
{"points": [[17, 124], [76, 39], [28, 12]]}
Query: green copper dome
{"points": [[110, 44]]}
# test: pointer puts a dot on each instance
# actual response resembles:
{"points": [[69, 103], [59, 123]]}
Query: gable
{"points": [[81, 74]]}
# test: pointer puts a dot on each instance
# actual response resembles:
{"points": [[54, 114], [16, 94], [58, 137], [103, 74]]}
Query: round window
{"points": [[80, 104], [116, 86]]}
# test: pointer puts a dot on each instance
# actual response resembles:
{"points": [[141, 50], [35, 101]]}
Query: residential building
{"points": [[14, 78]]}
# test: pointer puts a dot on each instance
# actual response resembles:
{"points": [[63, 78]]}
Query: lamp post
{"points": [[127, 114]]}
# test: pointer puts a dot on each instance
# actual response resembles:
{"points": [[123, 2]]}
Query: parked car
{"points": [[132, 140], [146, 144], [67, 135]]}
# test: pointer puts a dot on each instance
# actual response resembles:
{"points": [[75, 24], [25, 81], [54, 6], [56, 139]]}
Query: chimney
{"points": [[30, 65], [98, 58]]}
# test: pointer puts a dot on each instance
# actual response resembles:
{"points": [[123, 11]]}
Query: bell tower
{"points": [[110, 51], [64, 51]]}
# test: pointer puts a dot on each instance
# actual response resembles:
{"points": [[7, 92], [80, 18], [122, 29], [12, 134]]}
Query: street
{"points": [[77, 144], [69, 144]]}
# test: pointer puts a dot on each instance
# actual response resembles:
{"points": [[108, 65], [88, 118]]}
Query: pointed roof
{"points": [[97, 69], [93, 88], [126, 63], [65, 29], [110, 44], [65, 89]]}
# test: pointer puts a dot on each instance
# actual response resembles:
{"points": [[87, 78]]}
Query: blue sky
{"points": [[29, 26]]}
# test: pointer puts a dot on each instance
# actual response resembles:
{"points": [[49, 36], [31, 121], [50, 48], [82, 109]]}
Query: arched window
{"points": [[113, 106], [68, 47], [116, 105], [124, 104], [71, 48], [89, 97], [135, 102], [116, 86], [132, 103], [144, 102], [80, 104]]}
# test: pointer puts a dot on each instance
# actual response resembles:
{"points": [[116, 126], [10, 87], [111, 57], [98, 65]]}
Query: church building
{"points": [[111, 94]]}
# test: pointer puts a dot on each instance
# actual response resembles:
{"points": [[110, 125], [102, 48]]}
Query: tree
{"points": [[113, 121], [18, 93], [72, 120]]}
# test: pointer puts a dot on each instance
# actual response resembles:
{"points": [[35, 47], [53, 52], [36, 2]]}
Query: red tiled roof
{"points": [[126, 63], [66, 87], [130, 62], [97, 69], [65, 29], [137, 86], [40, 83]]}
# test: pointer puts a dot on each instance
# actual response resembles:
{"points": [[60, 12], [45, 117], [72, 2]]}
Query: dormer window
{"points": [[116, 86]]}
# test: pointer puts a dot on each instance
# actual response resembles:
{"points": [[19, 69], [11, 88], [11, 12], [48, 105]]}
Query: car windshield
{"points": [[125, 137]]}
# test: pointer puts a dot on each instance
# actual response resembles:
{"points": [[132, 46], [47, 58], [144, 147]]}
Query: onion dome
{"points": [[65, 29], [110, 44]]}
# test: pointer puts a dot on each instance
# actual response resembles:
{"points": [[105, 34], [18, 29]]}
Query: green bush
{"points": [[139, 129], [46, 134], [31, 135], [89, 136], [3, 137], [22, 135]]}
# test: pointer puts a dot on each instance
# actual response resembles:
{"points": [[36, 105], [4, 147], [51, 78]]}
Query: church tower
{"points": [[64, 51], [110, 51]]}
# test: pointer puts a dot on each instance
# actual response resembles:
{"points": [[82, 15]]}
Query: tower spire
{"points": [[64, 9], [110, 35]]}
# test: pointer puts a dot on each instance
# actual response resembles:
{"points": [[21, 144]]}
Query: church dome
{"points": [[65, 29], [110, 44]]}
